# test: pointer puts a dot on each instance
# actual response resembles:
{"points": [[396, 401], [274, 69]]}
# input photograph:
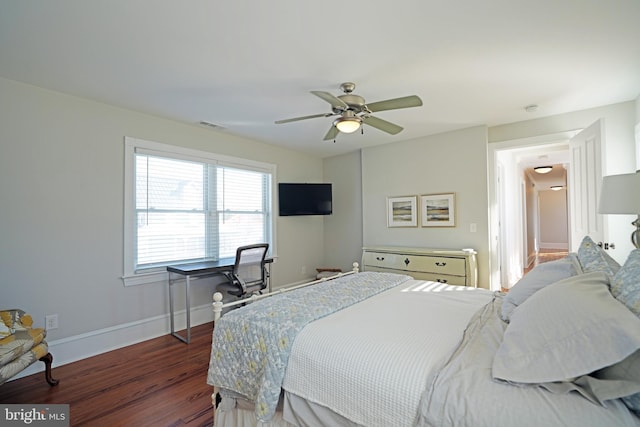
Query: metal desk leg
{"points": [[187, 306], [173, 327], [269, 277]]}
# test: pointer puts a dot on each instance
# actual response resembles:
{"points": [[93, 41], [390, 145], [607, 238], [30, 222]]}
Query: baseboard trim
{"points": [[78, 347], [561, 246]]}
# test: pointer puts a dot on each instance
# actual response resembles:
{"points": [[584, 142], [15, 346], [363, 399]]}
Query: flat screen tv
{"points": [[304, 199]]}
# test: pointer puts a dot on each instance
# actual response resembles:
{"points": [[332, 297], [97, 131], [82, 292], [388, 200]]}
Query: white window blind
{"points": [[191, 210]]}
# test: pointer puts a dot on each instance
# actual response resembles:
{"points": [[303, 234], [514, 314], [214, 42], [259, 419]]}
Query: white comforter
{"points": [[375, 376]]}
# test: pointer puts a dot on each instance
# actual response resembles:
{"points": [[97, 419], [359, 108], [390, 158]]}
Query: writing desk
{"points": [[197, 270]]}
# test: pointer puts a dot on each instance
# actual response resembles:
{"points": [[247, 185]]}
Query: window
{"points": [[185, 206]]}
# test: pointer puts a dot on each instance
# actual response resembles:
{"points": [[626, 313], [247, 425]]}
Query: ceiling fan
{"points": [[354, 111]]}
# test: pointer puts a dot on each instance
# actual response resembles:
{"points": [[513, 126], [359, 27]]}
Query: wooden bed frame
{"points": [[218, 306]]}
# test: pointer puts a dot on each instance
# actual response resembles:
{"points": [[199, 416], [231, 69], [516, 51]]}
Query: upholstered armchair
{"points": [[21, 345]]}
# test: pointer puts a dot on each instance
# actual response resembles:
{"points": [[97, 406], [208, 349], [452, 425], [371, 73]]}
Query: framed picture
{"points": [[438, 210], [402, 211]]}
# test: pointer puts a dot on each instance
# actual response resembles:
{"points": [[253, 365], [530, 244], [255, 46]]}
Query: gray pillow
{"points": [[567, 330], [540, 276]]}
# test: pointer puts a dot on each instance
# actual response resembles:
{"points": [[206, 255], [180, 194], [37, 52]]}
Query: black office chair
{"points": [[249, 273]]}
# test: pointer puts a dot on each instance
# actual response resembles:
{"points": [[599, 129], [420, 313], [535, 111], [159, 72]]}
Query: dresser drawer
{"points": [[419, 263], [384, 260], [418, 275]]}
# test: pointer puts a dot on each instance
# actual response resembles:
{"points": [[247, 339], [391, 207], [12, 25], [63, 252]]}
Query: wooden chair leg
{"points": [[48, 360]]}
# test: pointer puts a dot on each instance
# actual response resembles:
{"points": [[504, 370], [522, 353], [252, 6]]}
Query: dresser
{"points": [[454, 267]]}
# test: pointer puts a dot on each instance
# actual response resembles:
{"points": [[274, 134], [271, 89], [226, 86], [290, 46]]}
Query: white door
{"points": [[585, 176]]}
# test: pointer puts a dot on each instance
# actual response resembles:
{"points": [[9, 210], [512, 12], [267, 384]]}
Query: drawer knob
{"points": [[406, 261], [441, 264], [380, 258], [442, 280]]}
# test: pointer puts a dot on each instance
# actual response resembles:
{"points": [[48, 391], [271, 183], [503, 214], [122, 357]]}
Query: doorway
{"points": [[511, 241]]}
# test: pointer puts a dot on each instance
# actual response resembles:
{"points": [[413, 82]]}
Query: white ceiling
{"points": [[243, 64]]}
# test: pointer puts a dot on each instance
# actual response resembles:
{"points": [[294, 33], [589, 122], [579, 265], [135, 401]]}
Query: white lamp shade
{"points": [[620, 194]]}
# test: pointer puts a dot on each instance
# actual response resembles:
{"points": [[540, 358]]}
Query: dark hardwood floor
{"points": [[160, 382]]}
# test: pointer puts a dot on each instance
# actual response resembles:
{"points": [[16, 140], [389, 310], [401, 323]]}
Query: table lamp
{"points": [[620, 194]]}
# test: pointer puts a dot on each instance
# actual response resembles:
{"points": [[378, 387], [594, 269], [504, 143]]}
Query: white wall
{"points": [[553, 219], [343, 229], [453, 162], [61, 227]]}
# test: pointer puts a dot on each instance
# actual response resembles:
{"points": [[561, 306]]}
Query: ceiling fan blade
{"points": [[383, 125], [396, 103], [333, 132], [295, 119], [335, 102]]}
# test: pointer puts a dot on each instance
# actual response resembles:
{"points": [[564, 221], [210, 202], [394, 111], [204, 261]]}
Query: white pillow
{"points": [[540, 276], [567, 330]]}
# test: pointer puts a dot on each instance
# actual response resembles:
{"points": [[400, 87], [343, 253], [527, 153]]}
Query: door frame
{"points": [[504, 263]]}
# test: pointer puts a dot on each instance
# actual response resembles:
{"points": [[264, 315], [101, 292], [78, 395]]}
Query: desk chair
{"points": [[249, 274]]}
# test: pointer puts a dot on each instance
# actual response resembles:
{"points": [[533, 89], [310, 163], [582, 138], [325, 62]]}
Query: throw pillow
{"points": [[593, 258], [625, 284]]}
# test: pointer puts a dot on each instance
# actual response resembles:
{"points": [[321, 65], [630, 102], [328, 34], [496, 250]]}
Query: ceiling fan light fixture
{"points": [[354, 112], [348, 124], [543, 169]]}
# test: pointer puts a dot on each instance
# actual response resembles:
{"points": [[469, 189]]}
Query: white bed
{"points": [[427, 354]]}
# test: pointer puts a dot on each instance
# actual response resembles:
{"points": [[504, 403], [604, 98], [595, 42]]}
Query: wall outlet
{"points": [[473, 228], [51, 321], [303, 270]]}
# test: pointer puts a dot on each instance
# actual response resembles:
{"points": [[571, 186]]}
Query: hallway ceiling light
{"points": [[543, 169], [557, 187]]}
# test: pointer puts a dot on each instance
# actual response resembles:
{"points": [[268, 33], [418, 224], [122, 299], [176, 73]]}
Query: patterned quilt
{"points": [[251, 345]]}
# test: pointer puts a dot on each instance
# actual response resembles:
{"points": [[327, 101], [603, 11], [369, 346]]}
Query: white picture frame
{"points": [[438, 210], [402, 211]]}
